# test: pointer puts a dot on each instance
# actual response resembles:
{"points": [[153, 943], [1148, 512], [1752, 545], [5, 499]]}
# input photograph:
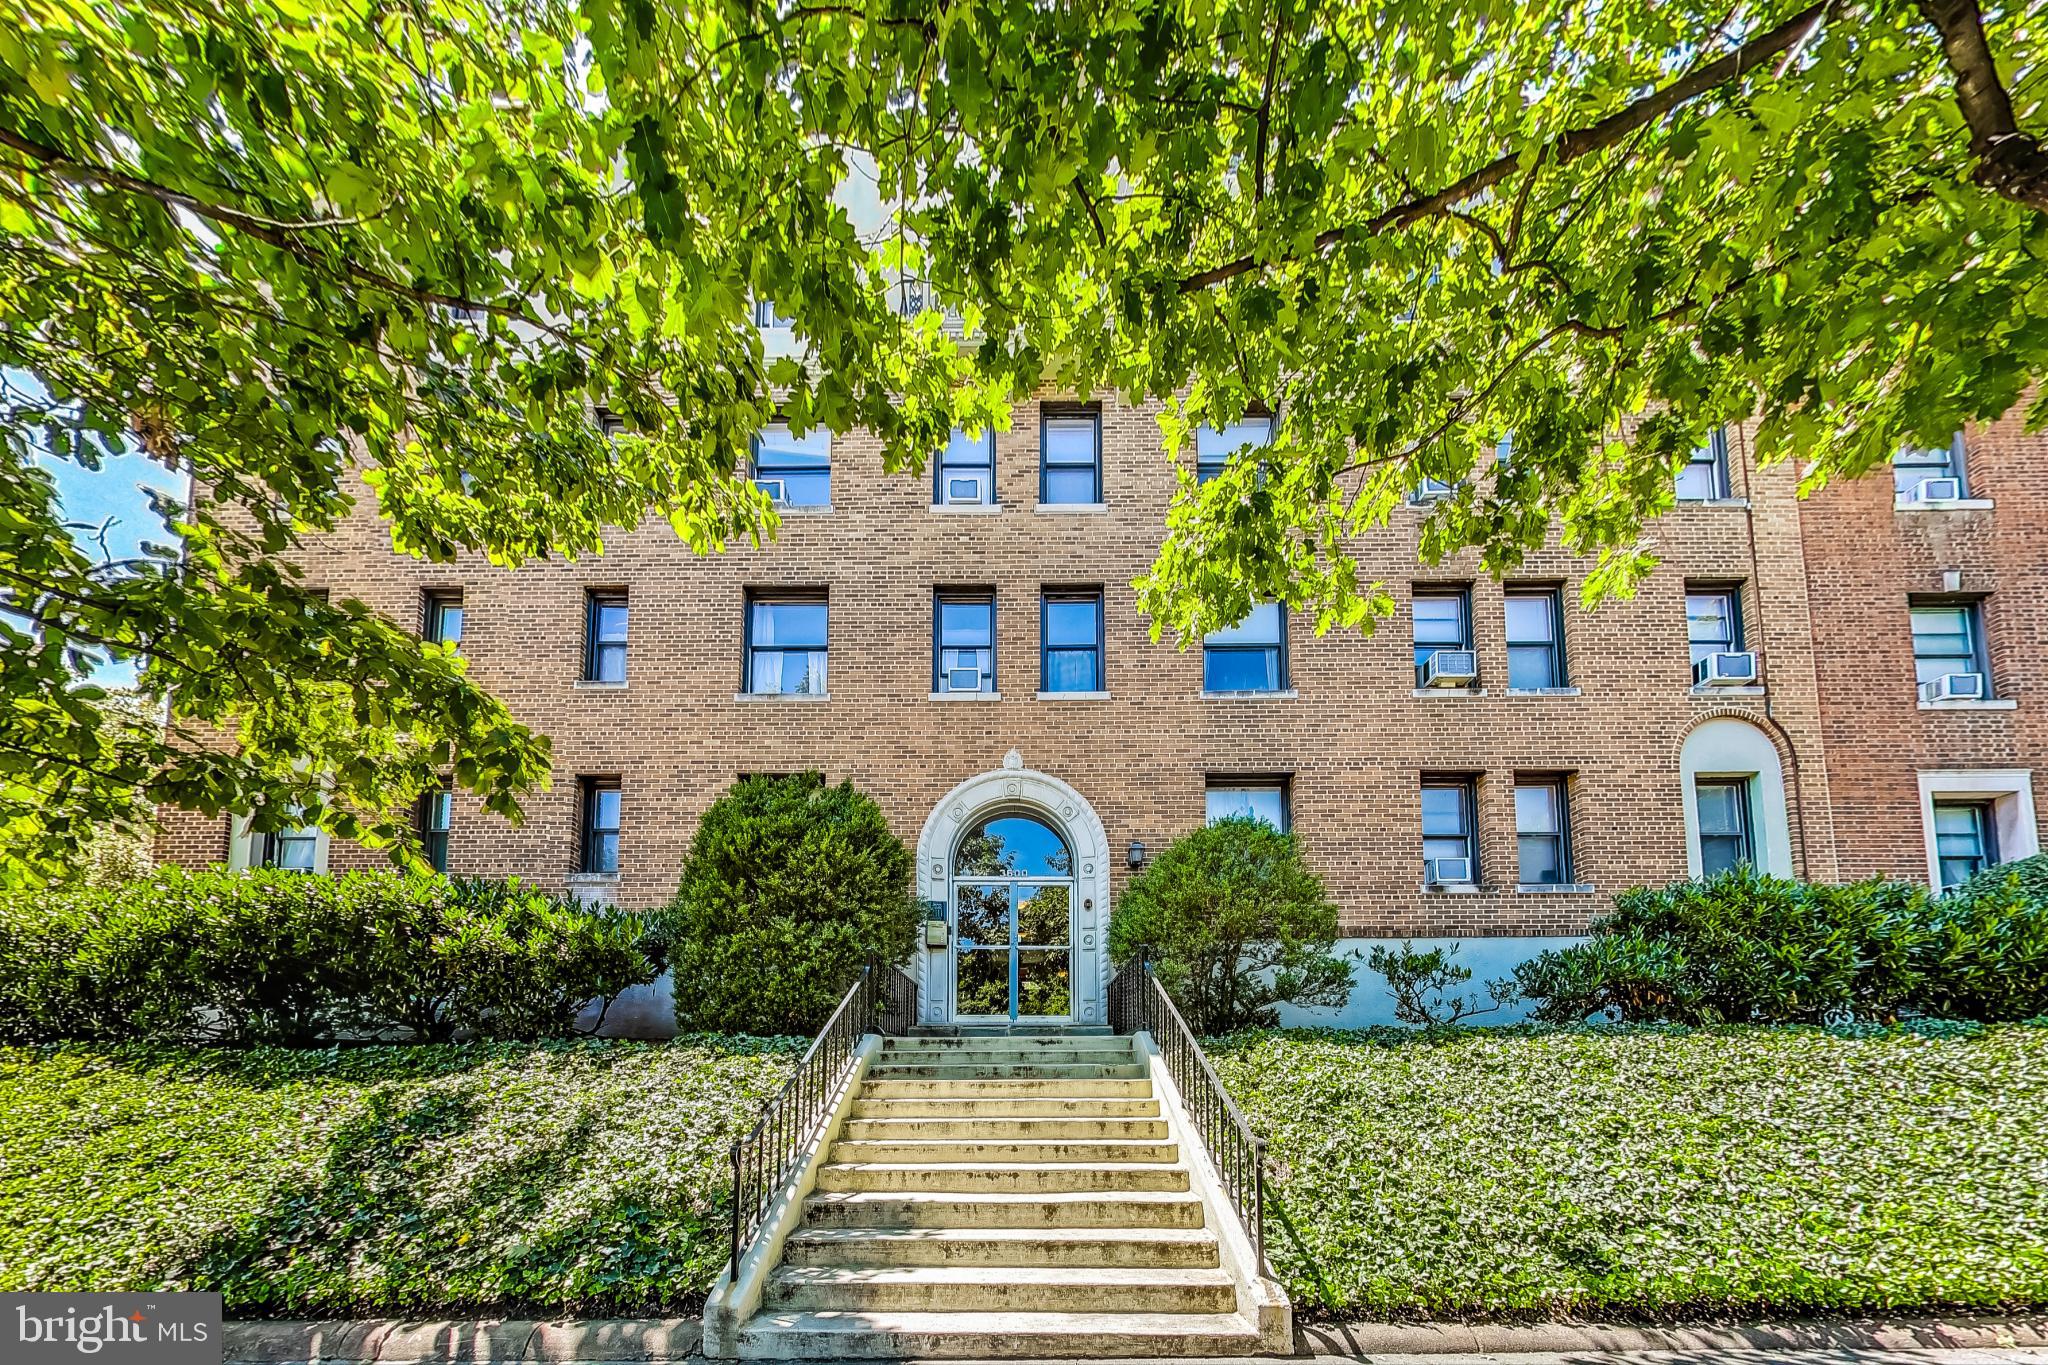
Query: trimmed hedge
{"points": [[583, 1178], [1653, 1173], [1742, 947], [294, 958]]}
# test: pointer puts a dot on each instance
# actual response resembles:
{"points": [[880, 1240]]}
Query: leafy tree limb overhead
{"points": [[285, 242]]}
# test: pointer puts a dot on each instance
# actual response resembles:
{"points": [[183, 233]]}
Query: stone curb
{"points": [[653, 1341]]}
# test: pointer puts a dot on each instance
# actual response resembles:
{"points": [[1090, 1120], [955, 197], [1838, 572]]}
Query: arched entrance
{"points": [[1014, 864]]}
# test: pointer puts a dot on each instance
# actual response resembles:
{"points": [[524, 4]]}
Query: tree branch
{"points": [[1563, 150], [2010, 162]]}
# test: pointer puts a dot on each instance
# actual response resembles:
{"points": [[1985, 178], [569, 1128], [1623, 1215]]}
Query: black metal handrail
{"points": [[1137, 1001], [881, 1000]]}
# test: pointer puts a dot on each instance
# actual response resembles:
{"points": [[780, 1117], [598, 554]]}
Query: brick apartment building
{"points": [[1836, 687]]}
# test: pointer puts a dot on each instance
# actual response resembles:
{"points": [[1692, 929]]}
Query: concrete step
{"points": [[940, 1149], [1002, 1209], [1041, 1106], [980, 1071], [974, 1177], [994, 1336], [1089, 1049], [1008, 1030], [1000, 1289], [1073, 1089], [975, 1129], [881, 1247]]}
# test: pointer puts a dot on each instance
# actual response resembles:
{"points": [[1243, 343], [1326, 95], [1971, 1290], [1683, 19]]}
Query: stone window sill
{"points": [[1073, 696], [592, 685], [593, 879], [1727, 691], [1285, 694], [968, 509], [1993, 704], [1452, 888], [1713, 502], [1448, 692], [789, 698], [1556, 888], [1053, 509], [804, 509], [965, 696], [1949, 505], [1543, 691]]}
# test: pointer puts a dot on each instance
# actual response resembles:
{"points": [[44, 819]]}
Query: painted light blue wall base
{"points": [[1488, 959]]}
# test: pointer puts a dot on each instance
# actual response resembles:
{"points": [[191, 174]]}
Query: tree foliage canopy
{"points": [[282, 241]]}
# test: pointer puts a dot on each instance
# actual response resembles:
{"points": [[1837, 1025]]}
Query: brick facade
{"points": [[1823, 585]]}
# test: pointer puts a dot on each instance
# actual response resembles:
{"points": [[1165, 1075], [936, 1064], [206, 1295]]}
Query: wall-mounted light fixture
{"points": [[1136, 856]]}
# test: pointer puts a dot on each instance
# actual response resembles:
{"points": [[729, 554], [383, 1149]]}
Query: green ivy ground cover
{"points": [[575, 1178], [1652, 1173]]}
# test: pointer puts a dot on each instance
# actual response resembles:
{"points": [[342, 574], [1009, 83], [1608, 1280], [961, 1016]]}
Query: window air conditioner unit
{"points": [[1450, 668], [964, 489], [1725, 670], [1938, 490], [773, 488], [1448, 871], [1954, 687], [963, 680]]}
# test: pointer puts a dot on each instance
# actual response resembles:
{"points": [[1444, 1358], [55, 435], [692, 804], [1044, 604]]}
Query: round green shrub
{"points": [[1236, 924], [790, 888], [1988, 954]]}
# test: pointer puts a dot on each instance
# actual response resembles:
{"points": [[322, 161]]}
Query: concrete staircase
{"points": [[1003, 1197]]}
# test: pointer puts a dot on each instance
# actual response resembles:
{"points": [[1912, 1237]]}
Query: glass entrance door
{"points": [[1013, 898]]}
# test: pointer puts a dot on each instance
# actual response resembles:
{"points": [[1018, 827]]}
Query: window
{"points": [[1965, 840], [967, 470], [1443, 620], [599, 852], [604, 650], [1070, 448], [610, 423], [437, 817], [1948, 638], [1447, 831], [1070, 627], [765, 315], [1535, 638], [794, 470], [1725, 840], [1249, 656], [444, 618], [964, 653], [292, 850], [786, 645], [1713, 621], [1542, 832], [1214, 447], [1704, 478], [1428, 489], [1910, 466], [1261, 799]]}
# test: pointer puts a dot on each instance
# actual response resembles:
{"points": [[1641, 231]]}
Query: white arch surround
{"points": [[1016, 787], [1725, 746]]}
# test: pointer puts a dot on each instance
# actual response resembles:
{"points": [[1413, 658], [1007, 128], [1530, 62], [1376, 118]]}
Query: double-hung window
{"points": [[964, 642], [786, 644], [1250, 656], [1216, 446], [436, 819], [766, 316], [1704, 476], [795, 471], [1070, 451], [1443, 620], [444, 617], [1911, 467], [966, 471], [598, 851], [1713, 622], [1965, 840], [1542, 831], [296, 849], [1253, 798], [1726, 840], [1948, 640], [1535, 621], [1070, 626], [1450, 844], [604, 636]]}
